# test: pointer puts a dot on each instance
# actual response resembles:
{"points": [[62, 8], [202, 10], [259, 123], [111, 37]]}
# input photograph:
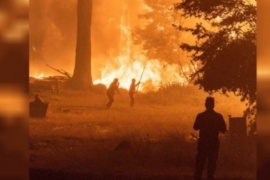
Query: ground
{"points": [[81, 139]]}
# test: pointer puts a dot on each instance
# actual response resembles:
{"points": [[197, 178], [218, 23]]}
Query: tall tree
{"points": [[158, 38], [225, 45], [82, 79]]}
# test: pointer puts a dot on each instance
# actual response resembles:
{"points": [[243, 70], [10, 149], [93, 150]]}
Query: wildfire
{"points": [[132, 64], [40, 76], [153, 73]]}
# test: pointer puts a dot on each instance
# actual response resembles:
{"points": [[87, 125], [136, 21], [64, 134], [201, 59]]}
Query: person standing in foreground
{"points": [[111, 90], [210, 124], [132, 91]]}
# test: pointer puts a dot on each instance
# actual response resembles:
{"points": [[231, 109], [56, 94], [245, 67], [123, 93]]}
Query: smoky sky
{"points": [[53, 32]]}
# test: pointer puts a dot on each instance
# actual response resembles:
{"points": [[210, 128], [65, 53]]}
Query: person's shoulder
{"points": [[218, 114], [200, 114]]}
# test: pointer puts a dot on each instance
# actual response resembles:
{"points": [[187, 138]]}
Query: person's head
{"points": [[133, 80], [115, 80], [209, 103]]}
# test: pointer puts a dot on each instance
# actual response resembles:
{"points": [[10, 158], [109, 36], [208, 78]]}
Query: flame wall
{"points": [[53, 35]]}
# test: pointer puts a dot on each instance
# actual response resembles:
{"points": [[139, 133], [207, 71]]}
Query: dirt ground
{"points": [[81, 139]]}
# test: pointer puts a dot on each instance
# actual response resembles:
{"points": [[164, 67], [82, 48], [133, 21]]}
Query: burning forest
{"points": [[119, 57], [119, 89]]}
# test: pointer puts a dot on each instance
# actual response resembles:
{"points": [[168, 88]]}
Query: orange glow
{"points": [[131, 64], [233, 35], [263, 73], [12, 102], [155, 74], [40, 76], [124, 61], [218, 19]]}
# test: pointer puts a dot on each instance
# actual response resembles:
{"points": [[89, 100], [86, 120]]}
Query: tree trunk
{"points": [[82, 79]]}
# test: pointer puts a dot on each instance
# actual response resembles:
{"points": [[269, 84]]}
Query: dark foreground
{"points": [[40, 174]]}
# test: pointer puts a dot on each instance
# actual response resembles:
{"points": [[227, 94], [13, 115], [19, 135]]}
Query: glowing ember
{"points": [[233, 35], [218, 19]]}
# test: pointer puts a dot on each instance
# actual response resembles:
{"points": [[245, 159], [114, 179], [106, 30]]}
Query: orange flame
{"points": [[131, 65], [40, 76], [155, 74]]}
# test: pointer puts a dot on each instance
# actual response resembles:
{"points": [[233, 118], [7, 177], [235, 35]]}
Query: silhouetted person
{"points": [[132, 91], [111, 91], [38, 99], [38, 107], [210, 124]]}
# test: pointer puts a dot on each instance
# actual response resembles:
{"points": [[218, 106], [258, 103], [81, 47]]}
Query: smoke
{"points": [[53, 33]]}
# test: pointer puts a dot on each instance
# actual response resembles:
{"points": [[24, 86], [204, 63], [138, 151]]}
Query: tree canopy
{"points": [[158, 38], [224, 49]]}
